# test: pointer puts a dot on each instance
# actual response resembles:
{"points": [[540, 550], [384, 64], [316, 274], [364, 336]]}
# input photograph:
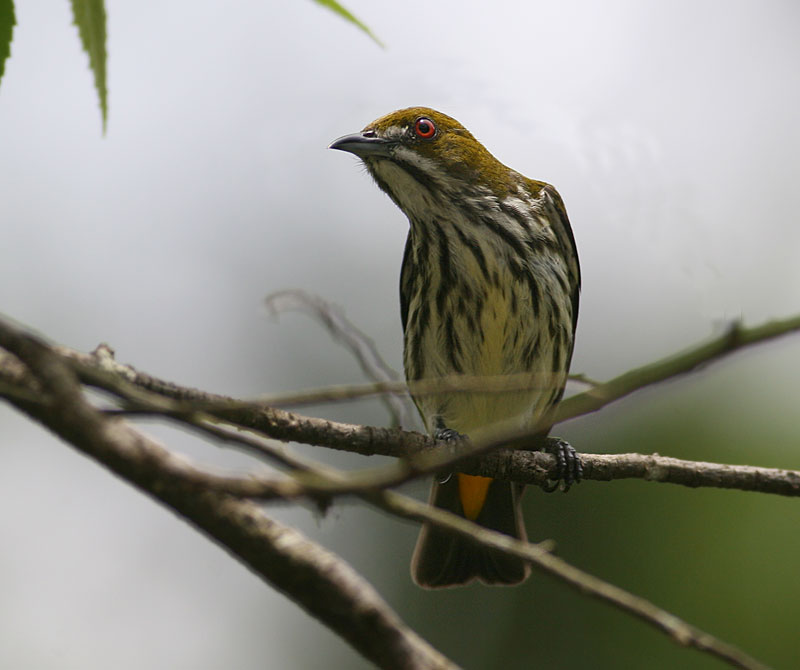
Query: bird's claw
{"points": [[447, 435], [569, 469], [452, 438]]}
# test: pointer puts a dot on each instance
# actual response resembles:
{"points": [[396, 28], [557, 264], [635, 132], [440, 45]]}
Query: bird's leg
{"points": [[569, 469], [452, 438]]}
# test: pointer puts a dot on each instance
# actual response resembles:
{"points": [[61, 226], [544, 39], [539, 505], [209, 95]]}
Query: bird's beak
{"points": [[362, 144]]}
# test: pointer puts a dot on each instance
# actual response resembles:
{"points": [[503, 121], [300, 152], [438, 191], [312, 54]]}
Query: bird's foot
{"points": [[569, 469], [452, 439], [448, 435]]}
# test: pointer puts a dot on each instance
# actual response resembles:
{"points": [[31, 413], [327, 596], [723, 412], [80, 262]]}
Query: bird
{"points": [[489, 286]]}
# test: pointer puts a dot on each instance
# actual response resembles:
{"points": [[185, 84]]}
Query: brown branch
{"points": [[525, 467], [321, 582], [680, 631], [369, 488], [65, 411]]}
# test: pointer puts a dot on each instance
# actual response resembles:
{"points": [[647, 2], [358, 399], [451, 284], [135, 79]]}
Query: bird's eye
{"points": [[424, 128]]}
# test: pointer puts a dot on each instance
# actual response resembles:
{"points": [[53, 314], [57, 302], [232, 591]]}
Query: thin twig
{"points": [[424, 387], [734, 339], [421, 454], [67, 412], [680, 631], [318, 580], [520, 466], [354, 339], [523, 467]]}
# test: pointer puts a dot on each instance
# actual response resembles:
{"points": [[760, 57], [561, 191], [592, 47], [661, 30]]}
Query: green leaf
{"points": [[7, 22], [90, 17], [347, 16]]}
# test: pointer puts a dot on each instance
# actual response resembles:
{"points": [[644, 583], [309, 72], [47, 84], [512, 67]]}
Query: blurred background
{"points": [[671, 131]]}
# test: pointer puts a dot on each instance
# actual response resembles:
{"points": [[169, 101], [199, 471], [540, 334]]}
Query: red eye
{"points": [[424, 128]]}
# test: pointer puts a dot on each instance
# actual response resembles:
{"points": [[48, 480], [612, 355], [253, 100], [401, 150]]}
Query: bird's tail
{"points": [[443, 559]]}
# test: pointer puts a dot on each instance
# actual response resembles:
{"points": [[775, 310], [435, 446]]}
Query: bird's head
{"points": [[420, 156]]}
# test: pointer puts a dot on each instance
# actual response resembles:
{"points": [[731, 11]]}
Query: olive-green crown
{"points": [[453, 148]]}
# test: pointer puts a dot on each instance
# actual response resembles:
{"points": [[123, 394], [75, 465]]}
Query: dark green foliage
{"points": [[6, 31], [347, 16], [90, 17]]}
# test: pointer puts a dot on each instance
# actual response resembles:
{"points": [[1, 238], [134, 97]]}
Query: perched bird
{"points": [[489, 286]]}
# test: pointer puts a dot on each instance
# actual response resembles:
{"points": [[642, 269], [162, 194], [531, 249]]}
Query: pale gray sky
{"points": [[670, 129]]}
